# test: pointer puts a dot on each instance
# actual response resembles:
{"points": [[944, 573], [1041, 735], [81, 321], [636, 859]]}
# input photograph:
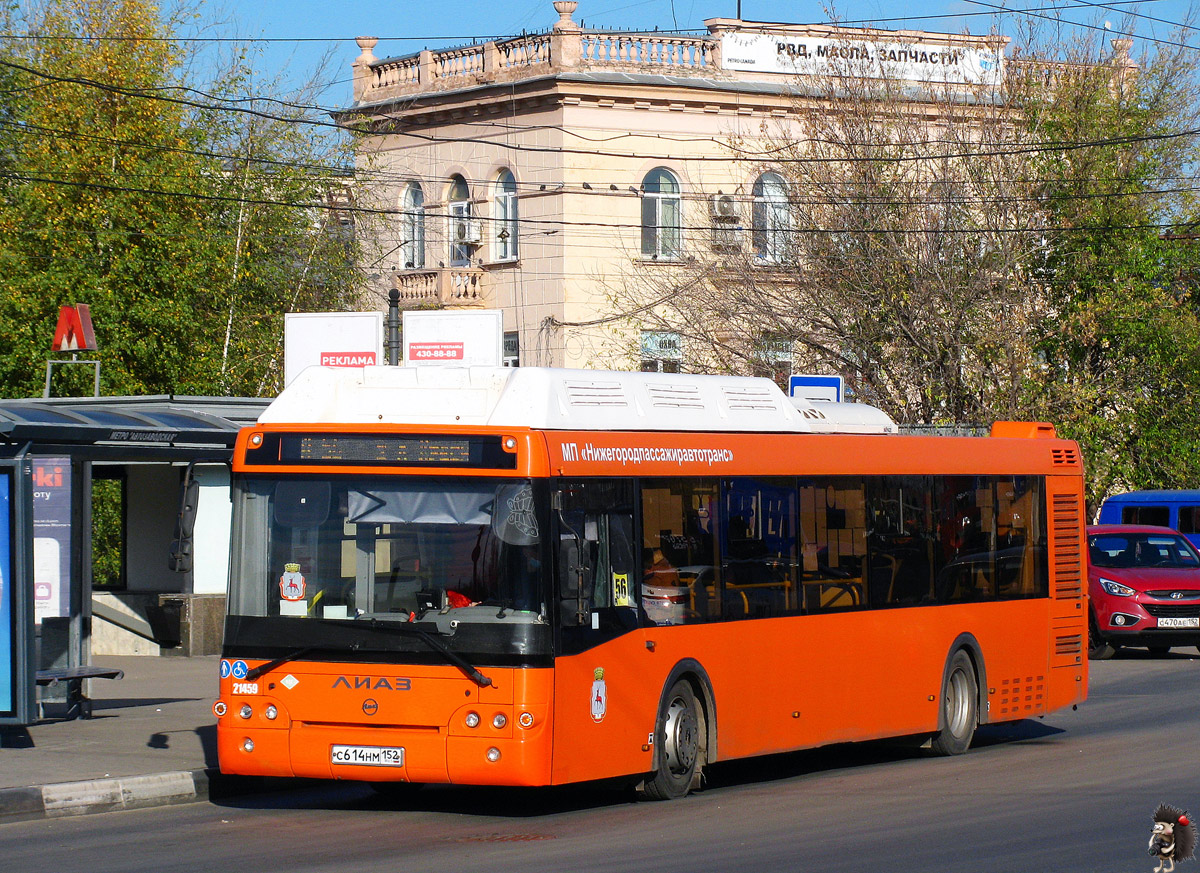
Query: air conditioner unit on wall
{"points": [[724, 207], [467, 231]]}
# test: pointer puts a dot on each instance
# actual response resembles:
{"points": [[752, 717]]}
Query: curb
{"points": [[63, 799], [103, 795]]}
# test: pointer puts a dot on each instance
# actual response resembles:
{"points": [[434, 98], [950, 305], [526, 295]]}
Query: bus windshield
{"points": [[369, 550]]}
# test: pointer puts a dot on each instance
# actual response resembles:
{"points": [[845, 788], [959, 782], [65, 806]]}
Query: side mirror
{"points": [[180, 557], [568, 573], [574, 578], [574, 584]]}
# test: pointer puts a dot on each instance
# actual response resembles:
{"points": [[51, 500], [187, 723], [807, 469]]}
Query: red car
{"points": [[1144, 584]]}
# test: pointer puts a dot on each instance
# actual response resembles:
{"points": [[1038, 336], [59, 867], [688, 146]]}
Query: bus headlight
{"points": [[499, 721], [272, 713], [247, 745], [493, 754], [245, 711], [472, 719]]}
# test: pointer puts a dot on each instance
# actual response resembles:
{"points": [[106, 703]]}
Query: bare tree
{"points": [[904, 255]]}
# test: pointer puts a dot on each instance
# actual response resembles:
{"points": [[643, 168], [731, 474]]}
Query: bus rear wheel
{"points": [[960, 707], [678, 750]]}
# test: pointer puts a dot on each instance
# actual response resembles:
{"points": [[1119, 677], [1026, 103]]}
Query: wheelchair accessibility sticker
{"points": [[236, 669]]}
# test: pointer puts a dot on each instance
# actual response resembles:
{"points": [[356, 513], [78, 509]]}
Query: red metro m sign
{"points": [[74, 332]]}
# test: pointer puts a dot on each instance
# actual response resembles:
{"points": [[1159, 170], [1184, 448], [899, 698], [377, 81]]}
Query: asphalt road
{"points": [[1074, 792]]}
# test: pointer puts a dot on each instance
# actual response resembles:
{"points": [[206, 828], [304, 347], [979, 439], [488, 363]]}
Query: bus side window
{"points": [[678, 523], [757, 543], [902, 539], [597, 573], [833, 543], [1189, 519]]}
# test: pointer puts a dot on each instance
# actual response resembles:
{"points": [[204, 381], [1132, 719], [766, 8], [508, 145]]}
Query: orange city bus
{"points": [[492, 576]]}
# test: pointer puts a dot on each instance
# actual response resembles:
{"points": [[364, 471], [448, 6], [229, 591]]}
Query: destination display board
{"points": [[389, 450]]}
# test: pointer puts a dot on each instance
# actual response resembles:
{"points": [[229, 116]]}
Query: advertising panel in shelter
{"points": [[8, 646]]}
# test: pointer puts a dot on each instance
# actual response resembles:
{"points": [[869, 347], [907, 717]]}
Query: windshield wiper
{"points": [[255, 672], [453, 657], [437, 645]]}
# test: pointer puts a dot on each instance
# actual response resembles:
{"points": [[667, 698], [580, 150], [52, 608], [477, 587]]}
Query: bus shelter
{"points": [[164, 464]]}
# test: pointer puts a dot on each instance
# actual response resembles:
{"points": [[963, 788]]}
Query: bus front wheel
{"points": [[960, 707], [678, 749]]}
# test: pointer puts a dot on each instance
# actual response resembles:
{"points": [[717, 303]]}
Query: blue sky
{"points": [[300, 31]]}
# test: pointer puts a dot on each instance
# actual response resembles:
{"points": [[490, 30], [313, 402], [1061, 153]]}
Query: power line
{"points": [[1053, 146], [1084, 26], [623, 192], [563, 223]]}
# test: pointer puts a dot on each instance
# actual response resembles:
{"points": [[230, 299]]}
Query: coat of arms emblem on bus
{"points": [[291, 583], [599, 696]]}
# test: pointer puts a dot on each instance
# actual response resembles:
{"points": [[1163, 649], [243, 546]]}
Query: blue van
{"points": [[1175, 509]]}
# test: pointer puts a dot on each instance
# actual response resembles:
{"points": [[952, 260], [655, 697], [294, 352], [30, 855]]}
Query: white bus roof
{"points": [[557, 399]]}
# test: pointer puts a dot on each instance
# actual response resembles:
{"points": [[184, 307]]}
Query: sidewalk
{"points": [[151, 741]]}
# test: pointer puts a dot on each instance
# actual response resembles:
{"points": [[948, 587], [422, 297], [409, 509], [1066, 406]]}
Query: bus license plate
{"points": [[368, 756], [1179, 622]]}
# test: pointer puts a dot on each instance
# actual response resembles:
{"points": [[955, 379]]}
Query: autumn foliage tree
{"points": [[188, 220], [1119, 349]]}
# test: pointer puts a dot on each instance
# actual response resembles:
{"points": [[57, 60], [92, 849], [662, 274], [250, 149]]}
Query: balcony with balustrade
{"points": [[566, 46], [569, 48], [448, 288]]}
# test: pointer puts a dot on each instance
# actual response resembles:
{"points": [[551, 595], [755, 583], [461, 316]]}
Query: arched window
{"points": [[504, 218], [412, 228], [662, 215], [464, 233], [771, 219]]}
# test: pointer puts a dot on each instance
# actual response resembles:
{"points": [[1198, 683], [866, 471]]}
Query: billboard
{"points": [[472, 338], [16, 612], [898, 60], [8, 612], [331, 339], [51, 538]]}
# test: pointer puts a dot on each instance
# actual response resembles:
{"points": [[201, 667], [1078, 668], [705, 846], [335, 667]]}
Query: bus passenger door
{"points": [[601, 718]]}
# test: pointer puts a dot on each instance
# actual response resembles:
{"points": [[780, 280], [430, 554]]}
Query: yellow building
{"points": [[548, 174]]}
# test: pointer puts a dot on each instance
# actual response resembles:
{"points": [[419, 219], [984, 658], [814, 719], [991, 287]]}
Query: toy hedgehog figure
{"points": [[1172, 839]]}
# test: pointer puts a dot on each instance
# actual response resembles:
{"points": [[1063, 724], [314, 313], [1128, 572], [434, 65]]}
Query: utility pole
{"points": [[393, 327]]}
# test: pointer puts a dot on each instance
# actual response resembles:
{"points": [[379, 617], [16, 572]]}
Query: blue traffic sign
{"points": [[816, 387]]}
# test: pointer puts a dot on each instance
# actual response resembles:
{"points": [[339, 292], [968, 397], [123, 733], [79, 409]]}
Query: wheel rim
{"points": [[682, 740], [958, 703]]}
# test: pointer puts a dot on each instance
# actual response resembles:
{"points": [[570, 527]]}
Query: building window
{"points": [[662, 351], [512, 348], [771, 220], [412, 228], [504, 222], [662, 215], [464, 233], [773, 359]]}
